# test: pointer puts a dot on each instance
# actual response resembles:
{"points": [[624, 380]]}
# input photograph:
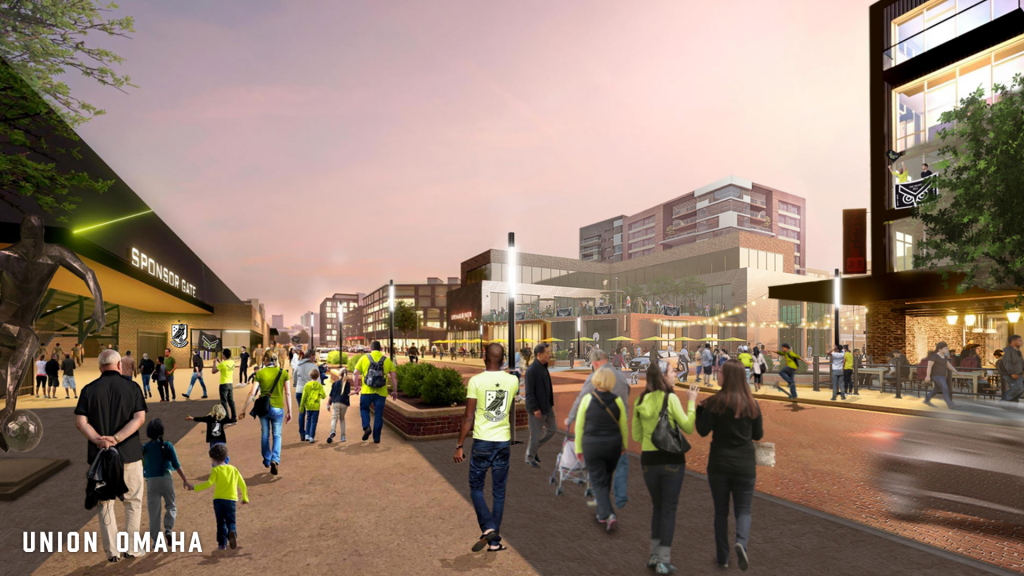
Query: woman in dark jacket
{"points": [[734, 420], [602, 436]]}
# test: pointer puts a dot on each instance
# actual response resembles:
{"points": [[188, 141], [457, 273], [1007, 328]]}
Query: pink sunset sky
{"points": [[303, 148]]}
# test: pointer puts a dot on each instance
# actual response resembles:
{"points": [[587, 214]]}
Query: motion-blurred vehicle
{"points": [[640, 363], [967, 467]]}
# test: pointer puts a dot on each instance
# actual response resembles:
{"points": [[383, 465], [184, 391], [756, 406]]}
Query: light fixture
{"points": [[1013, 316], [951, 319], [391, 296], [969, 319]]}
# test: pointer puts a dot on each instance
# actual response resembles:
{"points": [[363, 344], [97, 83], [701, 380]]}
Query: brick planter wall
{"points": [[432, 423]]}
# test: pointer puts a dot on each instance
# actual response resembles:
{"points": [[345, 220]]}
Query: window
{"points": [[642, 243], [787, 207], [939, 22], [641, 233], [787, 233], [685, 207], [789, 221], [728, 192], [591, 239], [649, 221]]}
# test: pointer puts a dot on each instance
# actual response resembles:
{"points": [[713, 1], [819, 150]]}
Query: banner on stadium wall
{"points": [[209, 342], [563, 313], [602, 309], [855, 241], [670, 310], [910, 194]]}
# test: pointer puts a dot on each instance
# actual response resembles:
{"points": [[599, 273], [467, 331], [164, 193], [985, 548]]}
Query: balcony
{"points": [[939, 23]]}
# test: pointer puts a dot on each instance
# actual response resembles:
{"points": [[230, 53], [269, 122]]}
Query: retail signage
{"points": [[855, 241], [209, 342], [670, 310], [143, 262], [179, 335], [462, 316], [520, 316], [910, 194], [602, 310], [563, 313]]}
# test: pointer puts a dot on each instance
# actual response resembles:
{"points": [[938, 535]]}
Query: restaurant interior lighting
{"points": [[970, 319], [951, 319], [1013, 316]]}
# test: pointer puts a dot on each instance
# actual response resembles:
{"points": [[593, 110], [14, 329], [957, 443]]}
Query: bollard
{"points": [[816, 375], [856, 379], [899, 376]]}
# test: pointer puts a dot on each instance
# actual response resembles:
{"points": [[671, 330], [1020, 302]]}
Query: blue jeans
{"points": [[1014, 388], [837, 385], [377, 401], [145, 385], [170, 385], [620, 482], [302, 417], [940, 386], [787, 375], [196, 376], [312, 417], [270, 426], [493, 455], [664, 481], [742, 492], [224, 510]]}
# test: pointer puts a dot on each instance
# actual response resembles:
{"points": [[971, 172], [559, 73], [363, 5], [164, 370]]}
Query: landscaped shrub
{"points": [[443, 387], [336, 358], [562, 355], [352, 361], [411, 377]]}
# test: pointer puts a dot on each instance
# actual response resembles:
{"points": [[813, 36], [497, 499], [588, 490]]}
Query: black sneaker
{"points": [[232, 539], [185, 396], [533, 463], [536, 458], [330, 438], [273, 468], [366, 434]]}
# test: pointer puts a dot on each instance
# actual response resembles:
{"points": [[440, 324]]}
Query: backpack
{"points": [[375, 373]]}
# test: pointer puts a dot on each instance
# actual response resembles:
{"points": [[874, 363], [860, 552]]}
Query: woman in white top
{"points": [[759, 367], [41, 376]]}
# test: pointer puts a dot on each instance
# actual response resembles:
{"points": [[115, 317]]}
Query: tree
{"points": [[406, 318], [972, 226], [690, 288], [39, 41]]}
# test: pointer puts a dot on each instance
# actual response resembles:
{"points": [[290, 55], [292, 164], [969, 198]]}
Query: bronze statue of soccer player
{"points": [[26, 269]]}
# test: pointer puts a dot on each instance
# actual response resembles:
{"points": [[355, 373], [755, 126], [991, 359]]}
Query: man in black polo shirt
{"points": [[540, 403], [110, 412]]}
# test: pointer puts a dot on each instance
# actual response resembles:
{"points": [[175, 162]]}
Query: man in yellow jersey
{"points": [[489, 403], [373, 373]]}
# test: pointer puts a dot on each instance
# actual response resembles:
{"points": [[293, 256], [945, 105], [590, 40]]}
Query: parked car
{"points": [[969, 468], [641, 362]]}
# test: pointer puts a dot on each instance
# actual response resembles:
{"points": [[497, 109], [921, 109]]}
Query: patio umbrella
{"points": [[685, 339], [552, 340], [653, 339], [584, 339], [526, 341], [441, 342], [620, 339], [734, 340]]}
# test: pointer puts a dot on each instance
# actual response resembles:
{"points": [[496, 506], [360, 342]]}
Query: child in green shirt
{"points": [[312, 393], [227, 482]]}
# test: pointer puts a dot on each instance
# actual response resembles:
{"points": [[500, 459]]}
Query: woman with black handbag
{"points": [[271, 399], [733, 418], [658, 423]]}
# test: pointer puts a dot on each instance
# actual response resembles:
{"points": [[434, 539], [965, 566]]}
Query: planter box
{"points": [[414, 423]]}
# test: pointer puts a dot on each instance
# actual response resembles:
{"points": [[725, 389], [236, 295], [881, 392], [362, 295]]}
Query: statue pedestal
{"points": [[19, 475]]}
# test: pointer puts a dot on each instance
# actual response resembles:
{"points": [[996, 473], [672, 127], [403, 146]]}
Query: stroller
{"points": [[568, 467]]}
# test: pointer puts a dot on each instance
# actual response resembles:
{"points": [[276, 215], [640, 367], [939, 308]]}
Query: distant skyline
{"points": [[394, 140]]}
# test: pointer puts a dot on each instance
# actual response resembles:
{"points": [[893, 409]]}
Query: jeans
{"points": [[338, 417], [196, 376], [621, 482], [157, 490], [145, 385], [227, 400], [787, 375], [664, 482], [224, 510], [378, 402], [170, 385], [546, 425], [742, 492], [270, 427], [837, 385], [302, 416], [602, 456], [312, 417], [493, 455], [940, 386], [165, 393], [707, 369], [848, 380], [1014, 388]]}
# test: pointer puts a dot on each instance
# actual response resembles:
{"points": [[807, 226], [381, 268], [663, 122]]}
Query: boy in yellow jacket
{"points": [[312, 393], [227, 481]]}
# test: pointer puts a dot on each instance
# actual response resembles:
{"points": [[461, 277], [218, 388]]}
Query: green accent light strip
{"points": [[94, 226]]}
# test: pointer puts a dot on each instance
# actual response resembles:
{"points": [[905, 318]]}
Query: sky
{"points": [[303, 148]]}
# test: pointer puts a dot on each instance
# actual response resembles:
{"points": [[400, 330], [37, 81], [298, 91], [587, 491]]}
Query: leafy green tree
{"points": [[40, 41], [406, 318], [972, 227]]}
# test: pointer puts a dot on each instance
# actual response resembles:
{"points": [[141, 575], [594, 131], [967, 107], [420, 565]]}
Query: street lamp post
{"points": [[837, 297], [391, 320], [616, 294], [579, 323], [510, 353], [341, 329]]}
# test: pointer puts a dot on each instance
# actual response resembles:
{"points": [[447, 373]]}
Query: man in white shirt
{"points": [[838, 360]]}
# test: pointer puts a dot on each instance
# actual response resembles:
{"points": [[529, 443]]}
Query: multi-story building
{"points": [[311, 322], [602, 241], [925, 56], [551, 292], [277, 321], [429, 299], [727, 206], [333, 312]]}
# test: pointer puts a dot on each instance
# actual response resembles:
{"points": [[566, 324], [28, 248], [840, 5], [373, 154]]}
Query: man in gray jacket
{"points": [[599, 358], [1011, 368], [300, 376]]}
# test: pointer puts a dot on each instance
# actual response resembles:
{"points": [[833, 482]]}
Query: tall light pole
{"points": [[579, 324], [616, 294], [341, 328], [391, 321], [510, 353], [836, 296]]}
